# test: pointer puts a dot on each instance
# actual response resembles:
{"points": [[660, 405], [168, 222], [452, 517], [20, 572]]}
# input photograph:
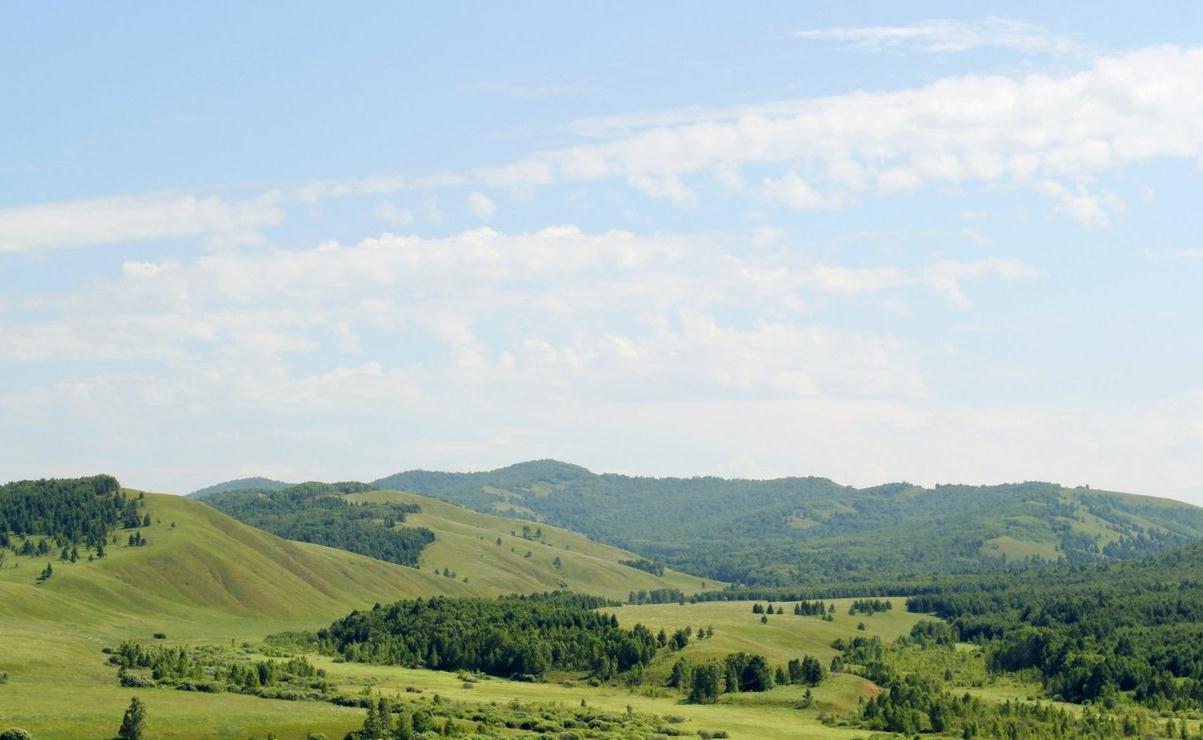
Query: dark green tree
{"points": [[704, 686], [133, 724]]}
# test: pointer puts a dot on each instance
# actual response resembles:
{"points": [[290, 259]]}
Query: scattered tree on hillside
{"points": [[704, 684], [133, 724]]}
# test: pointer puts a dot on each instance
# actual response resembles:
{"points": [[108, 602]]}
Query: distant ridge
{"points": [[255, 483], [811, 530]]}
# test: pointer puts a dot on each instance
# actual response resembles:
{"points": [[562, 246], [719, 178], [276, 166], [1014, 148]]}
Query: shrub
{"points": [[15, 733]]}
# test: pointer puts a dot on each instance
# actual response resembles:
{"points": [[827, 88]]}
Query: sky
{"points": [[944, 242]]}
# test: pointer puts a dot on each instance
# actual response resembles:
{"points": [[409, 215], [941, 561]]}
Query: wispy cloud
{"points": [[481, 205], [81, 223], [947, 36], [1053, 134]]}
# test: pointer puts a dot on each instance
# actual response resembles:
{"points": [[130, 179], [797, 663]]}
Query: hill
{"points": [[204, 578], [241, 484], [201, 577], [505, 555], [499, 554], [320, 513], [812, 530]]}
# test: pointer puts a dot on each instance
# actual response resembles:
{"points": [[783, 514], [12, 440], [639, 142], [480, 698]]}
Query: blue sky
{"points": [[872, 243]]}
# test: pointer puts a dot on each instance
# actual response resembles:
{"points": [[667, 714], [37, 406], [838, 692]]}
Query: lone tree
{"points": [[133, 725]]}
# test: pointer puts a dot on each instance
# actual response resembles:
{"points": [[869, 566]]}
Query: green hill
{"points": [[466, 544], [256, 483], [812, 530], [210, 579]]}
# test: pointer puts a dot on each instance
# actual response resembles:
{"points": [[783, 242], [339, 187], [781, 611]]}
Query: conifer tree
{"points": [[133, 725]]}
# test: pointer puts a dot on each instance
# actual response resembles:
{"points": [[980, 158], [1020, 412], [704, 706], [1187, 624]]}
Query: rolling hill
{"points": [[812, 530], [204, 578], [491, 553], [207, 579], [256, 483]]}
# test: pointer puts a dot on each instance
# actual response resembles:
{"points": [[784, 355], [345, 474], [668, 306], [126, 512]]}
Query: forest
{"points": [[510, 636], [793, 531], [75, 511], [319, 513], [1092, 632]]}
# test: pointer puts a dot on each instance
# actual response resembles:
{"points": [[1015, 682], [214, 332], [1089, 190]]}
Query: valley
{"points": [[201, 580]]}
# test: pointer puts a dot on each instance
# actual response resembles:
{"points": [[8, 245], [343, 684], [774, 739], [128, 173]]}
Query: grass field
{"points": [[783, 637], [211, 579], [466, 543], [769, 715]]}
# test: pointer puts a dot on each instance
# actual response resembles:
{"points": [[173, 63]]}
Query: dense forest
{"points": [[319, 513], [256, 483], [794, 531], [1091, 633], [70, 511], [212, 669], [510, 636]]}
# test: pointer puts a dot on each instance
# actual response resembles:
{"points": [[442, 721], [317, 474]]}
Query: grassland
{"points": [[782, 637], [210, 579], [466, 543], [773, 714]]}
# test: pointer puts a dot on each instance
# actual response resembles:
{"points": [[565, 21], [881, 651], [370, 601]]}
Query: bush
{"points": [[160, 636], [15, 733]]}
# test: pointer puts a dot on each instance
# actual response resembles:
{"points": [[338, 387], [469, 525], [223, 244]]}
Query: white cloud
{"points": [[1054, 134], [794, 192], [668, 188], [481, 205], [976, 237], [946, 35], [1195, 253], [390, 213], [1051, 133], [81, 223], [1082, 206], [559, 311], [944, 277]]}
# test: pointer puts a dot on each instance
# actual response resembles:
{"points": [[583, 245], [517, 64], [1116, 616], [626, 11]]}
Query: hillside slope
{"points": [[809, 530], [466, 543], [205, 567], [258, 483], [211, 579]]}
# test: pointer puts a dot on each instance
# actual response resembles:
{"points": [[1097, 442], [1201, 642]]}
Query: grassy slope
{"points": [[466, 543], [773, 714], [789, 528], [213, 579], [784, 636]]}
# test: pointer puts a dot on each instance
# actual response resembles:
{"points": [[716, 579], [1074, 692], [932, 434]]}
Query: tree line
{"points": [[1093, 633], [70, 511], [319, 513], [522, 636]]}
